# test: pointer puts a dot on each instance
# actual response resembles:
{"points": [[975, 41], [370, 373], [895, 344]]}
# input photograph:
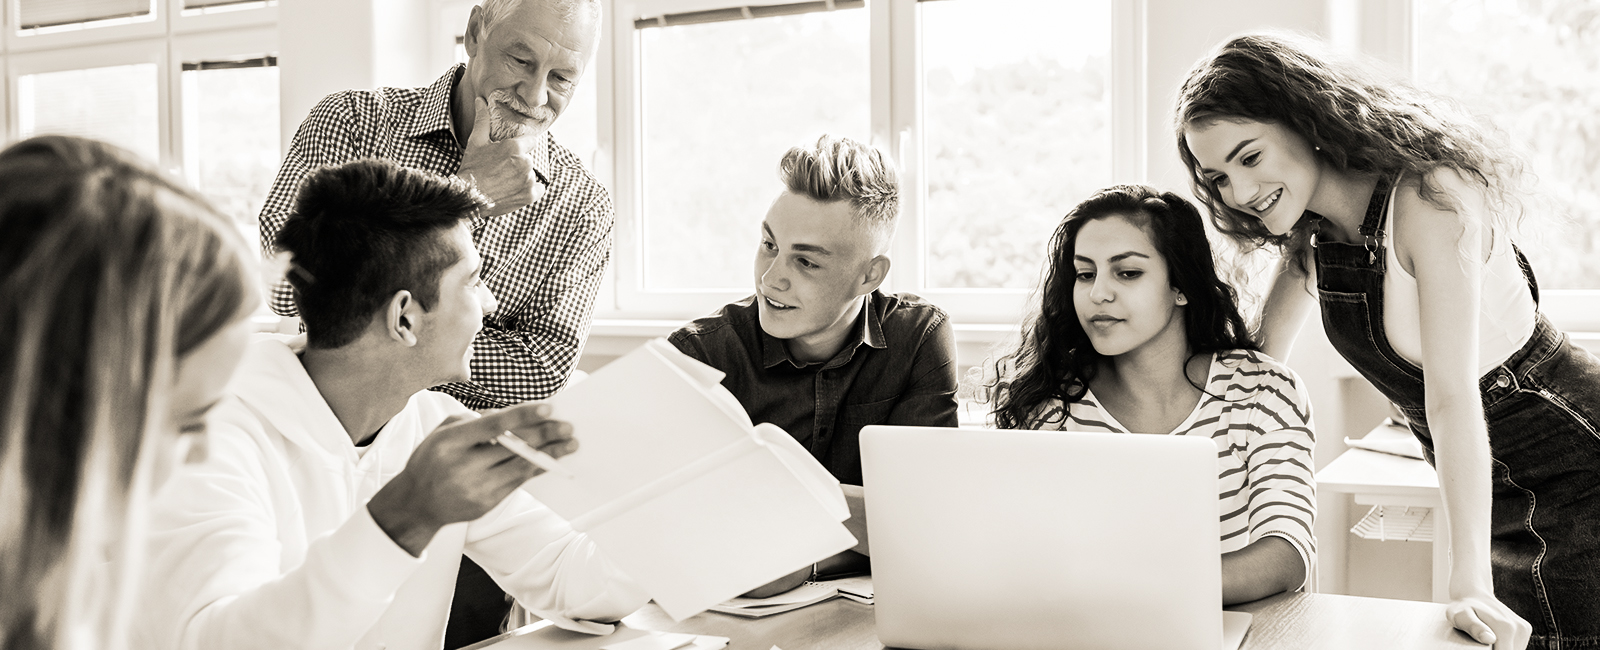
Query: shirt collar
{"points": [[868, 330], [433, 117], [433, 114]]}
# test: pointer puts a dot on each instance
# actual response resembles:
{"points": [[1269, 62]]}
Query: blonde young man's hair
{"points": [[109, 274], [841, 169]]}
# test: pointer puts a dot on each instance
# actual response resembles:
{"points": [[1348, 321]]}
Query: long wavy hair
{"points": [[1358, 122], [1056, 360], [110, 272]]}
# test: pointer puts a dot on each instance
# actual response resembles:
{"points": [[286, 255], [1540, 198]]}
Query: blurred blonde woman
{"points": [[123, 298]]}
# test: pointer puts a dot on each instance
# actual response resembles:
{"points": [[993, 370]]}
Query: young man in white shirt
{"points": [[340, 494]]}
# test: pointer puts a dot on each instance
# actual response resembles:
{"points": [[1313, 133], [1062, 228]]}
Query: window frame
{"points": [[896, 128]]}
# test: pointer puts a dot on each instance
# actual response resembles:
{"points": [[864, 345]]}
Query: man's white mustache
{"points": [[541, 114]]}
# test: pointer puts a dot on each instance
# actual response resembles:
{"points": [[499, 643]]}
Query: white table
{"points": [[1290, 621], [1379, 479]]}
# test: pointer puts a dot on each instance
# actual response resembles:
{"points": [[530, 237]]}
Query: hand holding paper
{"points": [[680, 491], [455, 475]]}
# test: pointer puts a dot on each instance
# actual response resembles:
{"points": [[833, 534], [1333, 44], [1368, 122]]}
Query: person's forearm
{"points": [[391, 509], [509, 367], [1267, 566], [1461, 446]]}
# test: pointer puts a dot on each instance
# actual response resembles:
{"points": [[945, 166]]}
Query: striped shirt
{"points": [[1262, 427], [543, 261]]}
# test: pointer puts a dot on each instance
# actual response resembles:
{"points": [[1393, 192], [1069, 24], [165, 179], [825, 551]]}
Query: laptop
{"points": [[991, 540]]}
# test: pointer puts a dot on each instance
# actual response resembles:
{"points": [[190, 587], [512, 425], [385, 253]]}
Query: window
{"points": [[231, 134], [721, 103], [1017, 125], [114, 103], [189, 85], [998, 114], [1533, 69]]}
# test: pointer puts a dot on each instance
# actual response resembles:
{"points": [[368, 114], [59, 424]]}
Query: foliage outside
{"points": [[1532, 68]]}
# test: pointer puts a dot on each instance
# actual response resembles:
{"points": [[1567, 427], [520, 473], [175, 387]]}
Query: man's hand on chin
{"points": [[502, 171]]}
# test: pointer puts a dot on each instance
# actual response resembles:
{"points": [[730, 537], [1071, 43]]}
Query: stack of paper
{"points": [[858, 589], [680, 491]]}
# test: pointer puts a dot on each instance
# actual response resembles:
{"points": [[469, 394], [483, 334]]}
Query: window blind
{"points": [[745, 13], [34, 14]]}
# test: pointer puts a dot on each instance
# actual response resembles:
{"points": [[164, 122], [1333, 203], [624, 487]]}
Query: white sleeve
{"points": [[216, 578], [1282, 487], [554, 571]]}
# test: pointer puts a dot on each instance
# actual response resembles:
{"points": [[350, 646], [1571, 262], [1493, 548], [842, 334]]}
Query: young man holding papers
{"points": [[340, 494], [818, 350]]}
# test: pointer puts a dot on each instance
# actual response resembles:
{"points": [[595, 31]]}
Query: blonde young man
{"points": [[818, 350]]}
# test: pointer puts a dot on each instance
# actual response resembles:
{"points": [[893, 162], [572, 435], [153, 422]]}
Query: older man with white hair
{"points": [[546, 238]]}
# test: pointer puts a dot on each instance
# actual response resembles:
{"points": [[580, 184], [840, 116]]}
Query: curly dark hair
{"points": [[1055, 358], [1357, 122]]}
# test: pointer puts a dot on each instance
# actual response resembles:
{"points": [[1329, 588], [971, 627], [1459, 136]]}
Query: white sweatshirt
{"points": [[268, 544]]}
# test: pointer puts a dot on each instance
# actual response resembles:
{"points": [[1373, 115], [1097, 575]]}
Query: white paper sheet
{"points": [[680, 491]]}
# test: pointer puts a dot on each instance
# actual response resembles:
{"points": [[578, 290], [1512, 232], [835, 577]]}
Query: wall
{"points": [[330, 45]]}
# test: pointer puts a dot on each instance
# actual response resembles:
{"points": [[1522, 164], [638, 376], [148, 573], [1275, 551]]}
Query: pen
{"points": [[540, 459]]}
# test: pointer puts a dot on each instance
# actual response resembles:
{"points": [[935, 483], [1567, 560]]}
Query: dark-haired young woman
{"points": [[1393, 213], [1136, 334]]}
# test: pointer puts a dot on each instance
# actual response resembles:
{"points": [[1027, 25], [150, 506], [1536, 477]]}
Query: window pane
{"points": [[231, 138], [1533, 68], [1017, 108], [115, 104], [722, 102]]}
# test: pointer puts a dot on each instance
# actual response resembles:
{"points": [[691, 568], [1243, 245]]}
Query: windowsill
{"points": [[654, 328]]}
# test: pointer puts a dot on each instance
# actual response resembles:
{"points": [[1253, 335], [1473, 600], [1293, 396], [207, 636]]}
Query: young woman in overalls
{"points": [[1393, 213]]}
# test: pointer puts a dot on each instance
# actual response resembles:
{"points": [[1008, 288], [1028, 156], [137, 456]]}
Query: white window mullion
{"points": [[628, 253], [1130, 118], [897, 95], [169, 100]]}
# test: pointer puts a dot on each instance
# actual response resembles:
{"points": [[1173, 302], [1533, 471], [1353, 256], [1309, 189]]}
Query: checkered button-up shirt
{"points": [[543, 262]]}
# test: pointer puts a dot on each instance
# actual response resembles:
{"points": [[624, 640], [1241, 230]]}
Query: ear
{"points": [[1182, 299], [877, 270], [474, 36], [401, 318]]}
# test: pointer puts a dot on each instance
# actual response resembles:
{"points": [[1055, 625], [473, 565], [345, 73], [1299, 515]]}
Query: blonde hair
{"points": [[841, 169], [109, 274]]}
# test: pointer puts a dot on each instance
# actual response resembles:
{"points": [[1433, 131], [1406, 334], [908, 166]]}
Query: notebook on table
{"points": [[990, 540]]}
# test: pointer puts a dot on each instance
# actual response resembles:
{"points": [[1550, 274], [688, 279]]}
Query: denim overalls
{"points": [[1542, 406]]}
